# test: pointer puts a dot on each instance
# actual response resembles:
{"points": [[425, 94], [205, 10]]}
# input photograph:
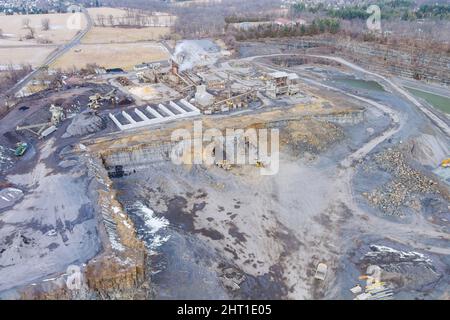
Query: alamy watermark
{"points": [[374, 21], [74, 280], [259, 147]]}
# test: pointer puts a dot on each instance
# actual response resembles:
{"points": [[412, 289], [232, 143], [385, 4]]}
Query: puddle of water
{"points": [[150, 227], [361, 84], [439, 102]]}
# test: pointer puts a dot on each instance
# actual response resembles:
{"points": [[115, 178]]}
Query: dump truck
{"points": [[21, 149], [321, 271], [445, 163]]}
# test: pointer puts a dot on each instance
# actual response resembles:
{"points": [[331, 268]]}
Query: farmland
{"points": [[111, 55], [120, 35], [23, 56], [59, 31]]}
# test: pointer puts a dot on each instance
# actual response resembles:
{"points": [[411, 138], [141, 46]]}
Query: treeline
{"points": [[440, 11], [318, 26], [205, 19], [134, 18], [208, 19], [240, 19], [349, 13], [12, 74], [390, 10]]}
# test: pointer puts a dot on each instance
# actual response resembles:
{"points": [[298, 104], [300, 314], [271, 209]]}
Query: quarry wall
{"points": [[119, 270], [413, 63], [404, 61]]}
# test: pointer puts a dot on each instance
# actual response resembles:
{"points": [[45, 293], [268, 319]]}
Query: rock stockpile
{"points": [[84, 123], [405, 187]]}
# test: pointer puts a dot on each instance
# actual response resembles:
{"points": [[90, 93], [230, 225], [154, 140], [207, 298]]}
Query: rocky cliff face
{"points": [[400, 59], [119, 271], [407, 62]]}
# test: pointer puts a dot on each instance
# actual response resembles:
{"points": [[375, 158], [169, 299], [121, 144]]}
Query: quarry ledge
{"points": [[118, 271]]}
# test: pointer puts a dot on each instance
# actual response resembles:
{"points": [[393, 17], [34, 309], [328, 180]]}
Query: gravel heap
{"points": [[84, 123], [403, 190]]}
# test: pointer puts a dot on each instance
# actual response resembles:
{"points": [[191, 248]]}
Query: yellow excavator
{"points": [[259, 164], [445, 163]]}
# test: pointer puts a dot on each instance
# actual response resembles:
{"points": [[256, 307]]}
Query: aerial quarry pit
{"points": [[354, 186]]}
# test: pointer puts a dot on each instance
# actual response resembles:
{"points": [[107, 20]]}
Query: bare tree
{"points": [[31, 33], [1, 34], [111, 20], [45, 24], [15, 74], [101, 20], [26, 23]]}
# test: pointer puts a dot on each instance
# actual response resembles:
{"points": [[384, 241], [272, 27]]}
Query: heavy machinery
{"points": [[96, 99], [148, 76], [46, 128], [259, 164], [321, 271], [375, 289], [21, 149], [57, 114], [445, 163]]}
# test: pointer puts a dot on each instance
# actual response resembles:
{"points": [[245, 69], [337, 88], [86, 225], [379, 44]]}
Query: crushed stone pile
{"points": [[84, 123], [405, 187]]}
